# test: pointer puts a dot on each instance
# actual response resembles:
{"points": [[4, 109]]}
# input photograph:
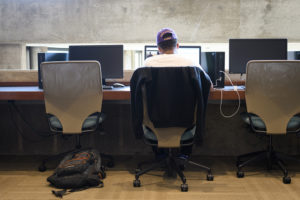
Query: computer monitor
{"points": [[293, 55], [109, 56], [297, 55], [213, 63], [46, 57], [243, 50], [191, 52]]}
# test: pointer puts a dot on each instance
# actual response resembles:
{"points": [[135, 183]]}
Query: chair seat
{"points": [[90, 122], [293, 125], [186, 136]]}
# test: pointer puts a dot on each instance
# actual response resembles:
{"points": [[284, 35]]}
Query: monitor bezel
{"points": [[104, 76], [243, 69], [180, 46]]}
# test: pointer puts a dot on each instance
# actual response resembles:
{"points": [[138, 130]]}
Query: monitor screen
{"points": [[297, 55], [109, 56], [294, 55], [213, 63], [191, 52], [243, 50], [46, 57]]}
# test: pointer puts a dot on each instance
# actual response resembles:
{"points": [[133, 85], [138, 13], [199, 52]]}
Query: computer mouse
{"points": [[116, 85]]}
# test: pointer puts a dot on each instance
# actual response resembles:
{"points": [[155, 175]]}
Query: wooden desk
{"points": [[34, 93]]}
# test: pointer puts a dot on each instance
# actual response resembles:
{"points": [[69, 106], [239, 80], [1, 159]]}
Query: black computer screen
{"points": [[297, 55], [191, 52], [213, 63], [46, 57], [243, 50], [293, 55], [109, 56]]}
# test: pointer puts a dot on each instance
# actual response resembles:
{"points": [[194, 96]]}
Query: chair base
{"points": [[272, 157], [174, 165]]}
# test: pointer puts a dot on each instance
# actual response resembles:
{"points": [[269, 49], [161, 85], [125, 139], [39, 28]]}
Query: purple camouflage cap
{"points": [[160, 35]]}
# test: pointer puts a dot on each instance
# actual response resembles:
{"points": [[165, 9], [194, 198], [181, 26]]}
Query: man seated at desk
{"points": [[168, 52], [167, 43], [168, 57]]}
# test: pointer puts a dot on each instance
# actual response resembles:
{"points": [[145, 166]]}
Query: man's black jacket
{"points": [[172, 94]]}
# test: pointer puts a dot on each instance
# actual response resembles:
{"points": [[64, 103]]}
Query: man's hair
{"points": [[168, 44]]}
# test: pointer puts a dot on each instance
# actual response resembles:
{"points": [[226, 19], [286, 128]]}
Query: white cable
{"points": [[235, 89]]}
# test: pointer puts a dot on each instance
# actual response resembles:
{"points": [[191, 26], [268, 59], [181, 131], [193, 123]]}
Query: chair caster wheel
{"points": [[286, 180], [209, 177], [110, 164], [184, 187], [42, 168], [240, 174], [136, 183]]}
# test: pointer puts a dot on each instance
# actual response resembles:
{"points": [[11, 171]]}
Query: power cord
{"points": [[221, 103]]}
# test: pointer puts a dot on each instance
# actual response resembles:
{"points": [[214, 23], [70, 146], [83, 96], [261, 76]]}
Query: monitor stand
{"points": [[104, 86], [219, 69], [241, 86], [220, 79]]}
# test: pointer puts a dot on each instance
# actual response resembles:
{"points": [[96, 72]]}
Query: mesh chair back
{"points": [[273, 92], [72, 92], [166, 137]]}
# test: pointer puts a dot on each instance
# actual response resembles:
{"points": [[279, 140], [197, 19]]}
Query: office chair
{"points": [[168, 140], [73, 99], [273, 107]]}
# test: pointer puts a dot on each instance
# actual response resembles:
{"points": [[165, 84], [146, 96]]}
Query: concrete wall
{"points": [[12, 56], [137, 21], [123, 21]]}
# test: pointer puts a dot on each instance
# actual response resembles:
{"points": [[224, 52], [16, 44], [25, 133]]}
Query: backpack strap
{"points": [[59, 193]]}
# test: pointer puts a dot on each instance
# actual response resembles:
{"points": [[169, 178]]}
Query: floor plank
{"points": [[19, 180]]}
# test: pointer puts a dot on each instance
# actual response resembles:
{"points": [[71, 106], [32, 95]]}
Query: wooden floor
{"points": [[19, 179]]}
